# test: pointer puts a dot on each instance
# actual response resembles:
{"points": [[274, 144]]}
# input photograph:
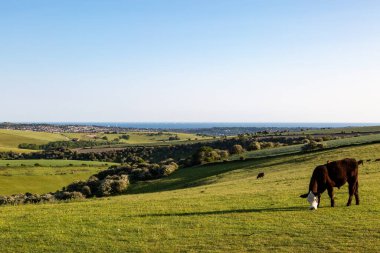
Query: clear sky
{"points": [[191, 61]]}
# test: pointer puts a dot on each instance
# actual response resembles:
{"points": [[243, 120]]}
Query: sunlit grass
{"points": [[214, 208]]}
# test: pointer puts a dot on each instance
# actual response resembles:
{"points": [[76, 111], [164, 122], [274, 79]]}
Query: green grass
{"points": [[20, 176], [138, 137], [365, 129], [292, 149], [41, 179], [212, 208], [10, 139], [52, 163]]}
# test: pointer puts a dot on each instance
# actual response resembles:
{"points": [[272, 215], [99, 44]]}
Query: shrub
{"points": [[168, 169], [254, 145], [113, 185], [86, 191], [313, 145], [267, 145], [105, 188], [66, 195], [75, 186], [237, 149]]}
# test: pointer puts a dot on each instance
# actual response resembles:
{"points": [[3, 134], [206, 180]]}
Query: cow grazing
{"points": [[333, 174], [377, 160], [360, 162], [368, 160], [260, 175]]}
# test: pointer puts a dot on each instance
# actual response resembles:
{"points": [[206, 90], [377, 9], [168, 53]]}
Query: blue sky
{"points": [[191, 61]]}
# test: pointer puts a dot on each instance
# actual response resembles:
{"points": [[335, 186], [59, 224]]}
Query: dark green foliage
{"points": [[29, 146], [237, 149], [255, 145], [154, 154], [125, 137], [208, 154], [174, 138], [313, 145]]}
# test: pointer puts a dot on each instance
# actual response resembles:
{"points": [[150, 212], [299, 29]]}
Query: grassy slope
{"points": [[51, 163], [41, 179], [137, 137], [292, 149], [226, 210], [10, 139], [51, 176]]}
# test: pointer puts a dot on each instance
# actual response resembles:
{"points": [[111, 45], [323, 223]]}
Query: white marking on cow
{"points": [[313, 200]]}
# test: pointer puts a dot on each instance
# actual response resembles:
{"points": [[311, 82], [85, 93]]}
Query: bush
{"points": [[66, 195], [254, 146], [75, 186], [313, 145], [237, 149], [168, 169], [86, 191], [113, 185], [267, 145]]}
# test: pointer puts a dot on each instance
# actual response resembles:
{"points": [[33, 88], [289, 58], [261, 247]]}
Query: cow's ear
{"points": [[304, 195]]}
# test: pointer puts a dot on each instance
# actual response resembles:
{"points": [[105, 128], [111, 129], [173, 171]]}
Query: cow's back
{"points": [[342, 171]]}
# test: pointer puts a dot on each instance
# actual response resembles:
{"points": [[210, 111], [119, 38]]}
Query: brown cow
{"points": [[333, 174], [360, 162], [260, 175]]}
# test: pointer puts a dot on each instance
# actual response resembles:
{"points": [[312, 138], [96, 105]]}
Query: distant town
{"points": [[213, 131]]}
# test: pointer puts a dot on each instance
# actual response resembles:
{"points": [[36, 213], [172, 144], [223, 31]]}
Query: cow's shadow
{"points": [[221, 212]]}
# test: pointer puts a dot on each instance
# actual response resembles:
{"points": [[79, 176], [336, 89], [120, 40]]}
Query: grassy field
{"points": [[51, 163], [366, 129], [10, 139], [212, 208], [41, 179], [138, 137], [50, 175], [292, 149]]}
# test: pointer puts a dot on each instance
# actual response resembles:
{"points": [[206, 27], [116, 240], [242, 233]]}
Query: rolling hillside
{"points": [[214, 208], [10, 139]]}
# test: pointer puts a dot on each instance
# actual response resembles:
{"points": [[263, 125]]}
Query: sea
{"points": [[199, 125]]}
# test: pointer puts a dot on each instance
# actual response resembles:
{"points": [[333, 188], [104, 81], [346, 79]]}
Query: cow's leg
{"points": [[330, 191], [357, 193], [319, 199], [351, 191]]}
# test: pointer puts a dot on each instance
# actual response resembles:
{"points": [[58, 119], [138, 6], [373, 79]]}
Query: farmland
{"points": [[218, 208], [42, 176], [11, 139]]}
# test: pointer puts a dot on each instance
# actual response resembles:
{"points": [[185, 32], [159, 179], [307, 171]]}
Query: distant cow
{"points": [[333, 174], [377, 160], [260, 175], [360, 162], [368, 160]]}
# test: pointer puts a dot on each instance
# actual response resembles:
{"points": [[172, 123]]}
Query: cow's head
{"points": [[312, 199]]}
